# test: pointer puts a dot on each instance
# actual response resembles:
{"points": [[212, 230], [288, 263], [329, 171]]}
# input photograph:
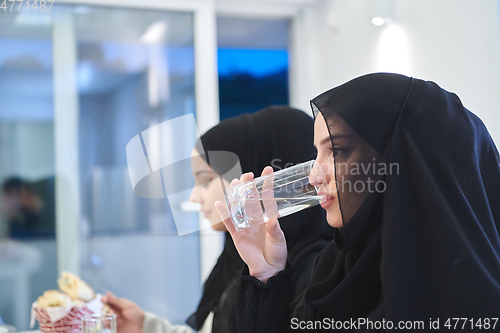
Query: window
{"points": [[252, 63], [135, 69]]}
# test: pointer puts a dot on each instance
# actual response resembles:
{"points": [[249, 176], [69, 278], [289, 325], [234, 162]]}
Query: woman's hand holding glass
{"points": [[129, 316], [262, 247]]}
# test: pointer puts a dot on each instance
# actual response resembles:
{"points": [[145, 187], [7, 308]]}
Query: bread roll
{"points": [[75, 288]]}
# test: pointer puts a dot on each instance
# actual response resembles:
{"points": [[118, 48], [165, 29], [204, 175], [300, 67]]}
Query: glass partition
{"points": [[27, 206], [135, 69]]}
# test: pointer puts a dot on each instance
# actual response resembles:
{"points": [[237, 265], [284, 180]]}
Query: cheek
{"points": [[214, 192], [325, 163], [217, 223], [329, 172]]}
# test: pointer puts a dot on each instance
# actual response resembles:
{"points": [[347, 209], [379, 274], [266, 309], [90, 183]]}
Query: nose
{"points": [[195, 196], [316, 177]]}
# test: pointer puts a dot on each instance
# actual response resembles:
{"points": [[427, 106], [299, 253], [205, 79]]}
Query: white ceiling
{"points": [[237, 32]]}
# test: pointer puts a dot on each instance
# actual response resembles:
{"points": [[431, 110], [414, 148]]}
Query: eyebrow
{"points": [[330, 138]]}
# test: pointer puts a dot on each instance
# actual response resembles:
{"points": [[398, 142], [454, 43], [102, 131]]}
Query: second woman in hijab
{"points": [[256, 141], [412, 185]]}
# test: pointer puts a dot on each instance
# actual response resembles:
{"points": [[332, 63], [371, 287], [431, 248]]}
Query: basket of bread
{"points": [[61, 311]]}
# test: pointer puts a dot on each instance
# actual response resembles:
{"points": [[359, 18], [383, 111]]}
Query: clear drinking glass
{"points": [[99, 323], [275, 195]]}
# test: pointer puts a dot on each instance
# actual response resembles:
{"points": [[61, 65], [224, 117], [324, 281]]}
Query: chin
{"points": [[218, 226], [334, 220]]}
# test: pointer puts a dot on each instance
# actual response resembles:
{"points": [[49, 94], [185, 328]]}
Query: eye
{"points": [[205, 182], [337, 151], [202, 181]]}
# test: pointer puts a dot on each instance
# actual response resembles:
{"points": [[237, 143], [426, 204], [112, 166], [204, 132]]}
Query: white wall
{"points": [[454, 43]]}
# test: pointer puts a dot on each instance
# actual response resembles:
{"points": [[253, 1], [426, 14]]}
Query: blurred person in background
{"points": [[28, 207], [281, 136]]}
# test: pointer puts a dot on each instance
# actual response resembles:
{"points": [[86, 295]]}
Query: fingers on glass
{"points": [[267, 194], [267, 170], [253, 205], [225, 216], [246, 177]]}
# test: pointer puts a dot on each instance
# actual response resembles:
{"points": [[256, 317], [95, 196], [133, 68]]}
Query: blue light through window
{"points": [[251, 79]]}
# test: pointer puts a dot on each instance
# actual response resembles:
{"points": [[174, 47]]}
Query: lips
{"points": [[327, 200], [206, 213]]}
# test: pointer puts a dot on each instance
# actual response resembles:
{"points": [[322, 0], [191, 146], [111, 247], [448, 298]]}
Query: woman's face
{"points": [[207, 190], [356, 174], [325, 167]]}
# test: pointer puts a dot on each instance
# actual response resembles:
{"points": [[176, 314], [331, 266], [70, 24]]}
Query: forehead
{"points": [[336, 126], [320, 128], [197, 162], [343, 135]]}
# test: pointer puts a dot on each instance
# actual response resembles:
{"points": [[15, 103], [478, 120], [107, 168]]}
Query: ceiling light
{"points": [[378, 21]]}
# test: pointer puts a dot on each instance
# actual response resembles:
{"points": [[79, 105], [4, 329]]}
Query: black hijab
{"points": [[426, 245], [278, 136]]}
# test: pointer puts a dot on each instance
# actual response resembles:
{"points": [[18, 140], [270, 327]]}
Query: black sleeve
{"points": [[261, 307]]}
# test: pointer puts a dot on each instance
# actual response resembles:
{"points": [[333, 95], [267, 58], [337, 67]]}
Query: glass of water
{"points": [[275, 195], [99, 323]]}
